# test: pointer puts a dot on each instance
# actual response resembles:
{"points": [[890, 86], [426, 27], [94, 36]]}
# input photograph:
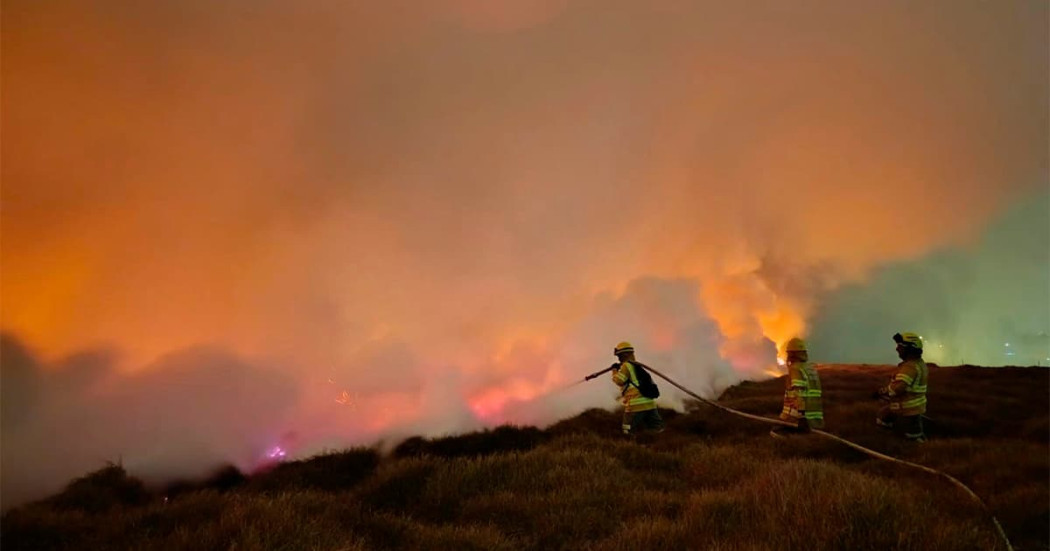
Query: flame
{"points": [[749, 310], [489, 404], [782, 324], [276, 453], [387, 410], [345, 399]]}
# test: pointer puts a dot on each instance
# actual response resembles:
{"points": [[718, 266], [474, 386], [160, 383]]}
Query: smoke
{"points": [[427, 217], [985, 304], [182, 415], [195, 409]]}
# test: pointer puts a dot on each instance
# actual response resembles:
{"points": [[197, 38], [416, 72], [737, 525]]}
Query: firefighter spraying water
{"points": [[638, 392]]}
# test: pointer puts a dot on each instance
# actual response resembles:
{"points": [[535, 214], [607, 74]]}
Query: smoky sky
{"points": [[449, 210], [984, 304]]}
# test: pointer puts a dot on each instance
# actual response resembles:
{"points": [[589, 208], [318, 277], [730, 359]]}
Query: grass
{"points": [[711, 481]]}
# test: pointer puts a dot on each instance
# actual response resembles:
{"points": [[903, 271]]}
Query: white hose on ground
{"points": [[873, 453]]}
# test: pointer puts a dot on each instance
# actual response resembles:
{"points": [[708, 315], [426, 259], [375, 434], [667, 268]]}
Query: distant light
{"points": [[1007, 344], [277, 453]]}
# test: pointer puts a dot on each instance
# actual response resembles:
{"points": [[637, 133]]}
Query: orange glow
{"points": [[531, 357], [781, 325], [662, 338], [484, 16], [745, 309], [489, 404], [38, 300], [249, 190], [386, 411]]}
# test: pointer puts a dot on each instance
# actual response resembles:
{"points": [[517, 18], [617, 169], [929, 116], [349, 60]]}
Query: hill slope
{"points": [[711, 481]]}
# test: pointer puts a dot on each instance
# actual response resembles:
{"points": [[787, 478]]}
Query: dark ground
{"points": [[711, 481]]}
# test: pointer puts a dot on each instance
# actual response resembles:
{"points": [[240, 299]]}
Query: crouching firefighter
{"points": [[637, 392], [906, 392], [803, 402]]}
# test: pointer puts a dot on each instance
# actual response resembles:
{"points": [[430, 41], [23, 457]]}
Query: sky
{"points": [[230, 225]]}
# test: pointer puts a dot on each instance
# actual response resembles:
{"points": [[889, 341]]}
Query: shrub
{"points": [[797, 503], [305, 519], [550, 497], [594, 421], [37, 527], [224, 479], [716, 467], [398, 484], [500, 440], [333, 472], [101, 490]]}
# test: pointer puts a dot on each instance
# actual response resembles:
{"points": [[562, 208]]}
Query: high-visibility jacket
{"points": [[802, 395], [631, 397], [907, 389]]}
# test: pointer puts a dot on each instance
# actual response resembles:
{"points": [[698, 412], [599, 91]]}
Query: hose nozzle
{"points": [[612, 367]]}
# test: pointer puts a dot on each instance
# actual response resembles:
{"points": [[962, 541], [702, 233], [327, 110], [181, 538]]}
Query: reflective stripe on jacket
{"points": [[803, 396], [907, 389], [630, 396]]}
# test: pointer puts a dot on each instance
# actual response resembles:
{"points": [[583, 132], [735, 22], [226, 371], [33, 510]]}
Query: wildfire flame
{"points": [[490, 403], [345, 399]]}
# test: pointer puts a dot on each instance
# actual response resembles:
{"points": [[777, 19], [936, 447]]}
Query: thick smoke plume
{"points": [[229, 226]]}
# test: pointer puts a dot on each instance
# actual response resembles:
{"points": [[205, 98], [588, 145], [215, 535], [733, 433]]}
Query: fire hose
{"points": [[823, 434]]}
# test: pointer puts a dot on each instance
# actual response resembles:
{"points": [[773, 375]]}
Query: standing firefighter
{"points": [[637, 392], [803, 406], [906, 392]]}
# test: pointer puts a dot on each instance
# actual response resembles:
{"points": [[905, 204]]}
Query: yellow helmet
{"points": [[795, 345], [908, 339], [623, 348]]}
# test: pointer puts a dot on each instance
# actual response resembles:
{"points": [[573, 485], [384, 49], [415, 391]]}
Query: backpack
{"points": [[646, 386]]}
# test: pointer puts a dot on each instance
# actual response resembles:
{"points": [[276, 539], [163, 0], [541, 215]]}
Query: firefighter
{"points": [[639, 412], [803, 406], [906, 392]]}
